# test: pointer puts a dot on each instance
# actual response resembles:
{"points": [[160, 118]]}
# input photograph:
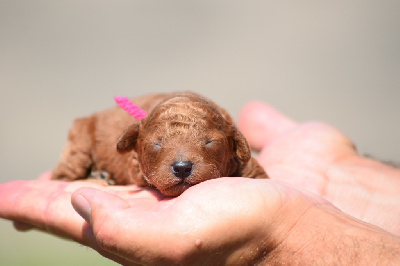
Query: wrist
{"points": [[324, 235]]}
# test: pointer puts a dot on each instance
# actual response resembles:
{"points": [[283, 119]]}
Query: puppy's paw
{"points": [[100, 177]]}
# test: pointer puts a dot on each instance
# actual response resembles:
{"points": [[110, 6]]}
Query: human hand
{"points": [[221, 221], [319, 158], [143, 226], [283, 218]]}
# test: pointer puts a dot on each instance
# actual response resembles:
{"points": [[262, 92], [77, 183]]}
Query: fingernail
{"points": [[82, 207]]}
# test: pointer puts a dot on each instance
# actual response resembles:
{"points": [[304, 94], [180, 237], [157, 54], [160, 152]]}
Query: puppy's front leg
{"points": [[76, 160]]}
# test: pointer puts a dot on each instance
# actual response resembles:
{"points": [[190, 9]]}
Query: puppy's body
{"points": [[184, 140]]}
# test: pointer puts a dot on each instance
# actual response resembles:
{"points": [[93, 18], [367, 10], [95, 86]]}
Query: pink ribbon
{"points": [[130, 107]]}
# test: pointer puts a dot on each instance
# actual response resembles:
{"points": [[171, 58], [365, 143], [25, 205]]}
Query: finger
{"points": [[18, 202], [119, 227], [21, 226], [261, 123], [41, 204], [89, 239], [45, 176], [100, 209], [46, 205], [84, 200]]}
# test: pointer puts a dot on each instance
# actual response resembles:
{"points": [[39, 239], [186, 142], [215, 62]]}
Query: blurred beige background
{"points": [[336, 61]]}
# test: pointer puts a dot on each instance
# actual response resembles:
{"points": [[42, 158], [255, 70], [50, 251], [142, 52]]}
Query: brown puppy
{"points": [[184, 140]]}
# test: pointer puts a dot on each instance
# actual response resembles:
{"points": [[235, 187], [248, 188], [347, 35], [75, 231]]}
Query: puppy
{"points": [[184, 140]]}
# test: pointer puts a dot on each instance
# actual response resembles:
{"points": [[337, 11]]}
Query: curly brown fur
{"points": [[185, 139]]}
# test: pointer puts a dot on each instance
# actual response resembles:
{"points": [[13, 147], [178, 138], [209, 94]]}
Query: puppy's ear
{"points": [[127, 141], [242, 148]]}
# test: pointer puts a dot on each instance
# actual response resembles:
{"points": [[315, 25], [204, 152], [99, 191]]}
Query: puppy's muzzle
{"points": [[182, 169]]}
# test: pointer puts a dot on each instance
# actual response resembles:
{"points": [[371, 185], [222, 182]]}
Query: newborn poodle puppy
{"points": [[184, 140]]}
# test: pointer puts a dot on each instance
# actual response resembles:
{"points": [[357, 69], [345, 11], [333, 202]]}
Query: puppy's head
{"points": [[185, 140]]}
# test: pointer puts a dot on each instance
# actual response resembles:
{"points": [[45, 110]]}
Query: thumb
{"points": [[93, 205], [87, 201], [260, 123]]}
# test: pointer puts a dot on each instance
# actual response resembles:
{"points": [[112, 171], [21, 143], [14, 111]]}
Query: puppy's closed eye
{"points": [[212, 143], [157, 145]]}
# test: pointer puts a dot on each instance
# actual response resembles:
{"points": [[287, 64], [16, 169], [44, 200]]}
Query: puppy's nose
{"points": [[182, 169]]}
